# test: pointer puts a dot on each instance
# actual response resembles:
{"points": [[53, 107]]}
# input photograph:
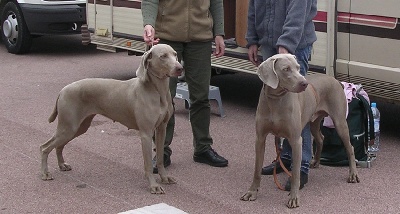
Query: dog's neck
{"points": [[161, 85], [274, 93]]}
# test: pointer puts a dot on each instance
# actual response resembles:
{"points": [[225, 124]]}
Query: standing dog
{"points": [[142, 103], [287, 102]]}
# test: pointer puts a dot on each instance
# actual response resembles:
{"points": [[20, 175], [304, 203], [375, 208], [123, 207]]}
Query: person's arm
{"points": [[251, 35], [149, 15], [282, 50], [253, 54], [217, 12], [293, 27], [219, 46]]}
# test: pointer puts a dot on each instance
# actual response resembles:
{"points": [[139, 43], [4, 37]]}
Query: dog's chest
{"points": [[278, 117], [165, 111]]}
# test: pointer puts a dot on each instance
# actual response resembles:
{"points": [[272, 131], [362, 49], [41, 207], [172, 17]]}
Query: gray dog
{"points": [[143, 103], [287, 102]]}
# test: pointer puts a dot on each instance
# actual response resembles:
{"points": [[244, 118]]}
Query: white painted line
{"points": [[160, 208]]}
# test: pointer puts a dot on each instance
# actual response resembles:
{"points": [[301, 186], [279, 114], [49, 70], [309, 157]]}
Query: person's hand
{"points": [[148, 35], [253, 55], [282, 50], [219, 46]]}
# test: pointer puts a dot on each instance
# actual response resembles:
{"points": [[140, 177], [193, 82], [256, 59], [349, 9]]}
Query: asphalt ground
{"points": [[107, 174]]}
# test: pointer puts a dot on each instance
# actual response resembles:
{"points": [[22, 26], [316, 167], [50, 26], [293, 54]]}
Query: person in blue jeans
{"points": [[279, 27]]}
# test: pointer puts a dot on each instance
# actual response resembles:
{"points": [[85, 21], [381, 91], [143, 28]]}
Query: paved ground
{"points": [[107, 175]]}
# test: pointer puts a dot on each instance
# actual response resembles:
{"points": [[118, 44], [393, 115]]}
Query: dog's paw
{"points": [[47, 176], [249, 196], [293, 202], [353, 178], [168, 180], [157, 189], [65, 167]]}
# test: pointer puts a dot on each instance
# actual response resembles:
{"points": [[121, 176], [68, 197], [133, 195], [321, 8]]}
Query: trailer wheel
{"points": [[15, 33]]}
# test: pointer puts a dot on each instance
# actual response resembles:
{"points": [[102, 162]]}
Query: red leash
{"points": [[278, 149]]}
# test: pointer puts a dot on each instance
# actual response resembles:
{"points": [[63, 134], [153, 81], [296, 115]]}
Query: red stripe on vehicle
{"points": [[321, 17], [368, 20], [360, 19]]}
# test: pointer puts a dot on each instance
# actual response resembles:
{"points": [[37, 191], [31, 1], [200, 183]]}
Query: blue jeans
{"points": [[302, 56]]}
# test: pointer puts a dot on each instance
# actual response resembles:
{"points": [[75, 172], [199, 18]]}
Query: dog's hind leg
{"points": [[44, 153], [319, 139], [67, 130], [59, 149], [59, 138], [343, 131]]}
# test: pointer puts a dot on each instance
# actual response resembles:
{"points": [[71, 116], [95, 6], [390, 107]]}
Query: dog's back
{"points": [[328, 93]]}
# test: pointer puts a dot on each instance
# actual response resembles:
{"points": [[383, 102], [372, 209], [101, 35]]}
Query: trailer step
{"points": [[107, 48]]}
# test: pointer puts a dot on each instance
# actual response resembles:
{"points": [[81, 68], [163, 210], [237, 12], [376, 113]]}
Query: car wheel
{"points": [[15, 33]]}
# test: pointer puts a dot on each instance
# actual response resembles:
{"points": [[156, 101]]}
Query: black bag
{"points": [[333, 151]]}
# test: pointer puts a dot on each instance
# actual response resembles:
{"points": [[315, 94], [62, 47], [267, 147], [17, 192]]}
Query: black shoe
{"points": [[211, 158], [303, 180], [269, 170], [167, 162]]}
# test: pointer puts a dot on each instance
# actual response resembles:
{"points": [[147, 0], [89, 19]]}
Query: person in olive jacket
{"points": [[189, 27]]}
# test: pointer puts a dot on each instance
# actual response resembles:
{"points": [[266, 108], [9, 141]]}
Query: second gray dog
{"points": [[287, 102]]}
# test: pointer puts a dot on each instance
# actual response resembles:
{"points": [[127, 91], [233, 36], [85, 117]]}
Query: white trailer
{"points": [[358, 40]]}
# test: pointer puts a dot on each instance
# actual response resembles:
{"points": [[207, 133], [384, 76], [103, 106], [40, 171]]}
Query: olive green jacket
{"points": [[184, 20]]}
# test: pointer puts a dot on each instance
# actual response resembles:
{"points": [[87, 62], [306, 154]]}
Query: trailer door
{"points": [[375, 46]]}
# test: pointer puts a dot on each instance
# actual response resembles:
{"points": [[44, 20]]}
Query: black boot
{"points": [[167, 162], [269, 170], [303, 181], [211, 158]]}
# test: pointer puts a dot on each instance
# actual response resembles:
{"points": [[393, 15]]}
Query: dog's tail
{"points": [[55, 112]]}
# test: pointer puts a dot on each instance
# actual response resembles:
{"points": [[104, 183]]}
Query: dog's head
{"points": [[282, 70], [160, 61]]}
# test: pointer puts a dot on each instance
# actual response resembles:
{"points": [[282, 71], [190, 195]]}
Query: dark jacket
{"points": [[286, 23]]}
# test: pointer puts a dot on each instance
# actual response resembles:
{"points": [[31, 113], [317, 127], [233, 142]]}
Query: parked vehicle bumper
{"points": [[54, 19]]}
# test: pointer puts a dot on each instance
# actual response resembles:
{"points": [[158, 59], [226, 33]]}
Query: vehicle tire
{"points": [[15, 33]]}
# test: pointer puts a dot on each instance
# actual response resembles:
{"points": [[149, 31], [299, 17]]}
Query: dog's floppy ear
{"points": [[141, 72], [266, 72]]}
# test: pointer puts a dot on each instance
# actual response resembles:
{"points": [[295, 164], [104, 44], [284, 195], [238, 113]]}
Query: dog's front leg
{"points": [[251, 194], [155, 188], [159, 139], [295, 179]]}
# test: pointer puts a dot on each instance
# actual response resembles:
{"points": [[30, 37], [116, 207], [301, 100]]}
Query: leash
{"points": [[148, 47], [278, 148]]}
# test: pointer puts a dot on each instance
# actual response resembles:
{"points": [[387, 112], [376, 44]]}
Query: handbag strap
{"points": [[369, 124]]}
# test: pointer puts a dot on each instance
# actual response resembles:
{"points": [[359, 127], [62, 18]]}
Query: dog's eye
{"points": [[163, 56]]}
